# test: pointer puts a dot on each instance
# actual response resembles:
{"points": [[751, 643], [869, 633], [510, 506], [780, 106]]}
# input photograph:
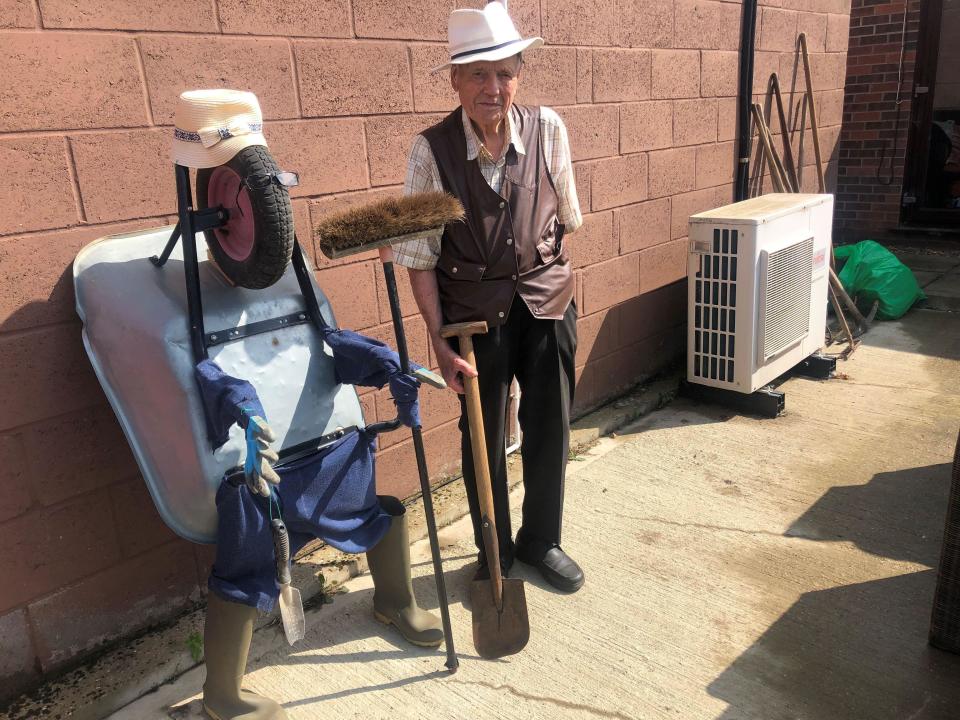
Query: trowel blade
{"points": [[291, 613]]}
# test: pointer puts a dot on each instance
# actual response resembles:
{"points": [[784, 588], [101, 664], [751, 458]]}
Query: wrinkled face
{"points": [[487, 88]]}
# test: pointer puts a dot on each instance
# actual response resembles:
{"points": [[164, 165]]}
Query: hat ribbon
{"points": [[489, 48], [212, 134]]}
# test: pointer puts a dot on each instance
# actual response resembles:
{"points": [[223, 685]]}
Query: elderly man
{"points": [[510, 167]]}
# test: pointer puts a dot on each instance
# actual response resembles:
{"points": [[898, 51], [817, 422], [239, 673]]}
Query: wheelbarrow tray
{"points": [[136, 333]]}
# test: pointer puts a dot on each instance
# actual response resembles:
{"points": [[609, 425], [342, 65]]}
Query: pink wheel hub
{"points": [[236, 237]]}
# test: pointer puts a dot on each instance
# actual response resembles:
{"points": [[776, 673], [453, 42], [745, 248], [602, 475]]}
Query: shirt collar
{"points": [[474, 144]]}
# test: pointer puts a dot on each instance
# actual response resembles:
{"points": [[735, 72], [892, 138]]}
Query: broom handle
{"points": [[386, 257], [847, 300]]}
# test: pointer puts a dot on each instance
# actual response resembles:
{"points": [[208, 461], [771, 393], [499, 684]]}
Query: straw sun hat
{"points": [[487, 34], [211, 126]]}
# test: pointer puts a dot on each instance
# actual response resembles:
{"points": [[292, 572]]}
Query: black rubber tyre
{"points": [[261, 263]]}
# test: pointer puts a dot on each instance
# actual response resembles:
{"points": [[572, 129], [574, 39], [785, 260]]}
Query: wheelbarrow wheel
{"points": [[256, 243]]}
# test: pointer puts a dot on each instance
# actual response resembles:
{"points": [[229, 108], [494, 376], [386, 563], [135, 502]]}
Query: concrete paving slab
{"points": [[927, 259], [737, 568], [937, 270], [944, 292], [925, 277], [140, 665]]}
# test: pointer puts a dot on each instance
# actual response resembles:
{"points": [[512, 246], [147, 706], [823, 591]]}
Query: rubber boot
{"points": [[393, 599], [226, 642]]}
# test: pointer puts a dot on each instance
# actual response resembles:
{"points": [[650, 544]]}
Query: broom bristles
{"points": [[379, 223]]}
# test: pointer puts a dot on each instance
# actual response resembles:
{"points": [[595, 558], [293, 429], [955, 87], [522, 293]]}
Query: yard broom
{"points": [[380, 225]]}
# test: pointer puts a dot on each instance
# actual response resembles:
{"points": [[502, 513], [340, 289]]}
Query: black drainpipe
{"points": [[748, 24]]}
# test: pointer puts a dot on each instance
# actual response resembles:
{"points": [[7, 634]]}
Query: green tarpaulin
{"points": [[873, 273]]}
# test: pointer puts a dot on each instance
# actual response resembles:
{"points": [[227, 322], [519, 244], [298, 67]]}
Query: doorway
{"points": [[931, 191]]}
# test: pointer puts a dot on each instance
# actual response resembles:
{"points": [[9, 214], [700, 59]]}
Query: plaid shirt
{"points": [[423, 176]]}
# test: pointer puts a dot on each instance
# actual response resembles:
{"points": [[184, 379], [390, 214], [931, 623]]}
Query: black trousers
{"points": [[540, 354]]}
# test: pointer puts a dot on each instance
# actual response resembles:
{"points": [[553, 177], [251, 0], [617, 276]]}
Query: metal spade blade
{"points": [[291, 606], [499, 631], [291, 612]]}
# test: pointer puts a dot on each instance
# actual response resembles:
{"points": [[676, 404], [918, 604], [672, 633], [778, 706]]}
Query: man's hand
{"points": [[452, 366], [258, 466], [425, 292]]}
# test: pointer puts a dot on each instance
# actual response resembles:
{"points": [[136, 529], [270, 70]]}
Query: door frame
{"points": [[921, 117]]}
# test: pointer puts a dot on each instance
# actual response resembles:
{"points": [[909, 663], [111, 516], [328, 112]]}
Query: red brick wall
{"points": [[867, 205], [646, 87]]}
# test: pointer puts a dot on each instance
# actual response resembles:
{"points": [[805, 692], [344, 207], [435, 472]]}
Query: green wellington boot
{"points": [[393, 599], [226, 642]]}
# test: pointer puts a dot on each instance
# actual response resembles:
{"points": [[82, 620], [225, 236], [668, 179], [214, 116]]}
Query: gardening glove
{"points": [[405, 393], [258, 465]]}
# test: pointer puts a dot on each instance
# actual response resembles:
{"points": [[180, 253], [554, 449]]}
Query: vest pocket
{"points": [[550, 244], [547, 250], [460, 270]]}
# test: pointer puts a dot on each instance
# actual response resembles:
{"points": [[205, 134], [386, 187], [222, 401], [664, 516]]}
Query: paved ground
{"points": [[737, 568], [937, 269]]}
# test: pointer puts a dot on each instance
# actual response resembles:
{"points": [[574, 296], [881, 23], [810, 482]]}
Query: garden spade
{"points": [[291, 606], [499, 605]]}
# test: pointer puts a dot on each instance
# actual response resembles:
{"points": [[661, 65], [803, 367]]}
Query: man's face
{"points": [[486, 88]]}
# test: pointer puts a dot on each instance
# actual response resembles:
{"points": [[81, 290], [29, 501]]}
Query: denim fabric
{"points": [[226, 400], [330, 495], [361, 360]]}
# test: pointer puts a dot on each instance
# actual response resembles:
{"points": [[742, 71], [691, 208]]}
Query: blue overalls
{"points": [[330, 494]]}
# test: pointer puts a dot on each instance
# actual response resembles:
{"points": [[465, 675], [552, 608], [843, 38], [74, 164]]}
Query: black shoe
{"points": [[557, 568]]}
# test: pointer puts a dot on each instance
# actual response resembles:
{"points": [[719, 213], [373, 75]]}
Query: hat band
{"points": [[477, 51], [212, 135]]}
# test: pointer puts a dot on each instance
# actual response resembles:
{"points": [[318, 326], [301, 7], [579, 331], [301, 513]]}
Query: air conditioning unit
{"points": [[758, 276]]}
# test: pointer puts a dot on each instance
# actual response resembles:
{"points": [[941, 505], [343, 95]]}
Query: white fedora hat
{"points": [[211, 126], [487, 34]]}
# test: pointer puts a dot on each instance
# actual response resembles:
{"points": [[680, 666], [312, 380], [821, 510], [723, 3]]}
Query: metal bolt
{"points": [[509, 241], [213, 337], [500, 314]]}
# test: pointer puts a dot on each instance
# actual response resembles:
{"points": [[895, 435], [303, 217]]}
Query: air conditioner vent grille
{"points": [[715, 302], [786, 309]]}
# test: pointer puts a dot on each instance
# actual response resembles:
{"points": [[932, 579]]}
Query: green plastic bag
{"points": [[874, 273]]}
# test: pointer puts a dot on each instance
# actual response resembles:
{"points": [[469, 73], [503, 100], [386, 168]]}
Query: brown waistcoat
{"points": [[508, 243]]}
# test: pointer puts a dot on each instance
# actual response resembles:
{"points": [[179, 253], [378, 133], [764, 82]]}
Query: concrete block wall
{"points": [[872, 155], [646, 87]]}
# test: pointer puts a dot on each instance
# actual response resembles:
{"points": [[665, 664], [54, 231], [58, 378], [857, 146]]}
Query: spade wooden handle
{"points": [[464, 332]]}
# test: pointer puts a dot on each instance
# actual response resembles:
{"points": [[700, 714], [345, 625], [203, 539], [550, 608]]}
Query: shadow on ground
{"points": [[897, 515], [858, 651], [925, 332], [682, 412], [849, 653], [350, 619]]}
